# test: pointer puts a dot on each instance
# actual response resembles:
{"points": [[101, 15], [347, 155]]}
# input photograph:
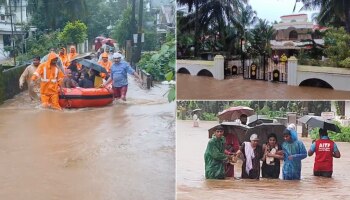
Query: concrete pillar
{"points": [[292, 71], [219, 67], [292, 118]]}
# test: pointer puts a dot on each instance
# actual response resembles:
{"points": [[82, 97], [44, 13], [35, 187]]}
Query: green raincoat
{"points": [[214, 158]]}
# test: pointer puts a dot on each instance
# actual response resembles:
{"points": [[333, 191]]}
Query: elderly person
{"points": [[325, 150], [293, 151], [119, 77], [214, 156], [33, 89], [252, 153]]}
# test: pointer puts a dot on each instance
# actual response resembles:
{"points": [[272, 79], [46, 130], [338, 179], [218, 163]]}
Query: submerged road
{"points": [[191, 183], [122, 151], [202, 87]]}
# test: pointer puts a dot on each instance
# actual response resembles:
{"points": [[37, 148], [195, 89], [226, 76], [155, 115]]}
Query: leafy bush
{"points": [[345, 63], [209, 117], [161, 65], [74, 32]]}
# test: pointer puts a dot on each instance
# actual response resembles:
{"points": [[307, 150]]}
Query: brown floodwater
{"points": [[191, 183], [202, 87], [122, 151]]}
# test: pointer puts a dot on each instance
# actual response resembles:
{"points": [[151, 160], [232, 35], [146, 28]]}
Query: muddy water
{"points": [[199, 87], [191, 183], [122, 151]]}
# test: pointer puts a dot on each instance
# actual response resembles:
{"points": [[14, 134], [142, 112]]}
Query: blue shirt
{"points": [[119, 73], [313, 145]]}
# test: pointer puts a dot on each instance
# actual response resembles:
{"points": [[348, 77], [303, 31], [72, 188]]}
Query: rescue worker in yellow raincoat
{"points": [[106, 64], [50, 77]]}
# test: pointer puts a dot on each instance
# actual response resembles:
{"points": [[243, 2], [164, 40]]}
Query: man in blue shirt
{"points": [[119, 77]]}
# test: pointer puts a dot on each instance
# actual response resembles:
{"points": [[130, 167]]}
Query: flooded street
{"points": [[202, 87], [122, 151], [191, 183]]}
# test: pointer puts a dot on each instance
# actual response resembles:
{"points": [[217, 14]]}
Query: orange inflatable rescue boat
{"points": [[85, 97]]}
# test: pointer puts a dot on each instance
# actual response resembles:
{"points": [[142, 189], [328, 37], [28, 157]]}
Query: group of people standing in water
{"points": [[222, 154], [62, 70]]}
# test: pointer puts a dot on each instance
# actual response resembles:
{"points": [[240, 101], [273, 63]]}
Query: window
{"points": [[293, 35], [2, 17]]}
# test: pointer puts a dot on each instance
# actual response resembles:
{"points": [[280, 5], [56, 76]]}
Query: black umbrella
{"points": [[320, 122], [92, 65], [232, 128], [264, 129]]}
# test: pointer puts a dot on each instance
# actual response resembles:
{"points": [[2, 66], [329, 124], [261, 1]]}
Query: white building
{"points": [[291, 31], [18, 10]]}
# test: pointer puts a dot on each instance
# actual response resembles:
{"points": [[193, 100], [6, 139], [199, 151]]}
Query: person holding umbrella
{"points": [[325, 150], [119, 77], [195, 117]]}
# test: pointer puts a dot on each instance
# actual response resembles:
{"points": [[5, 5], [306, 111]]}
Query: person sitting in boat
{"points": [[105, 63], [96, 78], [84, 81], [68, 81]]}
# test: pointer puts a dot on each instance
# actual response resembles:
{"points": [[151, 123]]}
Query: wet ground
{"points": [[122, 151], [202, 87], [191, 183]]}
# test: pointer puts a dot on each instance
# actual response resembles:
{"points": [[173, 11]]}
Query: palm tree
{"points": [[331, 11], [210, 15], [260, 38]]}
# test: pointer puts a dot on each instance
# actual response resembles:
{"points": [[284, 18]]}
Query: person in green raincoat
{"points": [[214, 156]]}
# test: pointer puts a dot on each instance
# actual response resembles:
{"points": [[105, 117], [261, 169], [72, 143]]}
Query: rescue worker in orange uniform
{"points": [[72, 54], [64, 57], [50, 77], [106, 64]]}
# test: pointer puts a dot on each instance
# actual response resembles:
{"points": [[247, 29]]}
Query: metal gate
{"points": [[255, 69]]}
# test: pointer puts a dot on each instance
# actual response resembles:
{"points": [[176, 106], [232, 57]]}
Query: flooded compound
{"points": [[202, 87], [191, 183], [121, 151]]}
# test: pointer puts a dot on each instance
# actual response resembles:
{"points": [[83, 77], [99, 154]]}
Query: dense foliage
{"points": [[73, 33], [269, 108], [161, 64], [337, 43]]}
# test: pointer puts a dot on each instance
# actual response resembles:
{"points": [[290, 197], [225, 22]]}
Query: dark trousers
{"points": [[323, 174]]}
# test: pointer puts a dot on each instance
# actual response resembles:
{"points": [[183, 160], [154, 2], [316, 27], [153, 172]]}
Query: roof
{"points": [[294, 15]]}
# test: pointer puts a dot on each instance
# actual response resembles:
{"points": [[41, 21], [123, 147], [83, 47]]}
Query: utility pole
{"points": [[139, 32], [133, 30], [12, 36]]}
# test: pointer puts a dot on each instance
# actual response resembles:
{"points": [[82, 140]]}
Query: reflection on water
{"points": [[122, 151], [191, 183]]}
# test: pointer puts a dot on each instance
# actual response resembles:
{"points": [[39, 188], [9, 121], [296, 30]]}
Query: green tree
{"points": [[102, 14], [74, 32], [54, 14], [260, 39], [337, 43], [209, 17], [122, 30], [332, 12]]}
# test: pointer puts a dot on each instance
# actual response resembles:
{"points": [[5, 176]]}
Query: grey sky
{"points": [[272, 10]]}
